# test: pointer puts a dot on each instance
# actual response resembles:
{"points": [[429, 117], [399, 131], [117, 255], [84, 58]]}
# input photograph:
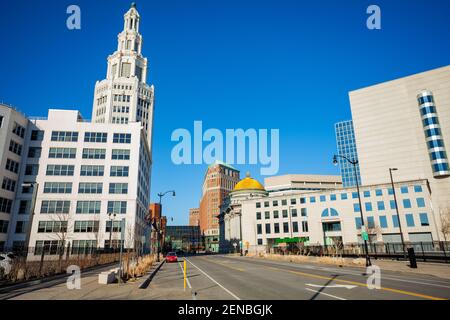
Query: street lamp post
{"points": [[161, 195], [396, 209], [112, 217], [363, 227]]}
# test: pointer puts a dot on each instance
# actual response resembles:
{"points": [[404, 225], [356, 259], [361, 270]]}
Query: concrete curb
{"points": [[30, 283], [147, 281]]}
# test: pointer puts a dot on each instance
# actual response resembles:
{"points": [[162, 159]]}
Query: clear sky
{"points": [[230, 63]]}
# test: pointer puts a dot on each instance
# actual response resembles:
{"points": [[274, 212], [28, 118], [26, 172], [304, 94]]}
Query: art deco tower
{"points": [[124, 96]]}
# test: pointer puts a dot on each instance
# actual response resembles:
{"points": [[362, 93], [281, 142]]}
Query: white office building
{"points": [[81, 184]]}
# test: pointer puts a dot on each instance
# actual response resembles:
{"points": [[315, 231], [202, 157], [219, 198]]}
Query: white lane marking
{"points": [[210, 278], [331, 286], [434, 283], [326, 294], [187, 281]]}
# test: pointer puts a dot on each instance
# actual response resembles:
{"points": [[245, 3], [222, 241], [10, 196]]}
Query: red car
{"points": [[171, 257]]}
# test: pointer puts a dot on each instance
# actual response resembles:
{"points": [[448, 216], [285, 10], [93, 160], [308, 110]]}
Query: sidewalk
{"points": [[441, 270]]}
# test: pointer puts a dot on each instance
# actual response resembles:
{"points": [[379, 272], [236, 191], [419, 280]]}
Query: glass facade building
{"points": [[346, 146]]}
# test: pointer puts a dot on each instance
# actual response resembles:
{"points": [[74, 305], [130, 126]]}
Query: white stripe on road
{"points": [[326, 294], [210, 278]]}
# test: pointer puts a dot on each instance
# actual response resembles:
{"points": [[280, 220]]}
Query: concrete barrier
{"points": [[107, 277]]}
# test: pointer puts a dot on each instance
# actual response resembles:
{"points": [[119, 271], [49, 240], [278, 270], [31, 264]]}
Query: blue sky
{"points": [[232, 64]]}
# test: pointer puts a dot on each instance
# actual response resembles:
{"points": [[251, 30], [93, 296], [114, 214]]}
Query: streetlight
{"points": [[160, 195], [111, 219], [363, 227], [396, 209]]}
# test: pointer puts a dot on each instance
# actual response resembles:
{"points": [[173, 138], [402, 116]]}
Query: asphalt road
{"points": [[243, 278], [226, 277]]}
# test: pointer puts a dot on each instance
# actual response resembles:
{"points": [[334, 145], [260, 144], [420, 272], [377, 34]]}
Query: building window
{"points": [[424, 220], [293, 201], [122, 138], [34, 152], [86, 226], [358, 223], [383, 222], [368, 206], [268, 228], [354, 195], [31, 169], [49, 247], [260, 242], [55, 206], [259, 228], [392, 204], [285, 227], [420, 202], [62, 153], [118, 188], [409, 220], [95, 137], [12, 166], [366, 194], [118, 207], [404, 189], [266, 204], [276, 214], [322, 199], [332, 197], [94, 153], [344, 196], [258, 216], [58, 187], [66, 136], [356, 207], [406, 203], [294, 213], [395, 221], [284, 202], [380, 205], [370, 222], [9, 184], [390, 191], [285, 213], [18, 130], [305, 226], [258, 204], [84, 246], [303, 212], [37, 135], [295, 226], [312, 199], [52, 226], [60, 170], [20, 227], [276, 228], [275, 203], [90, 188], [15, 147], [302, 200], [120, 154], [4, 226], [24, 207], [88, 207], [267, 215], [119, 171], [378, 192], [92, 171], [116, 226]]}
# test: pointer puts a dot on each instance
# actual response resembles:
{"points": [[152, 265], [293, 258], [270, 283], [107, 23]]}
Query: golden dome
{"points": [[248, 183]]}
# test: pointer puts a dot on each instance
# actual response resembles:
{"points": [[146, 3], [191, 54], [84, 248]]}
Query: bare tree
{"points": [[60, 232], [373, 230], [444, 215]]}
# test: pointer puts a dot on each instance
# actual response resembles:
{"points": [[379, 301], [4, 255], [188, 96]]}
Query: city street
{"points": [[242, 278]]}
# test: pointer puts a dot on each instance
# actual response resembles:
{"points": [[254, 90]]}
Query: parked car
{"points": [[171, 257], [6, 260]]}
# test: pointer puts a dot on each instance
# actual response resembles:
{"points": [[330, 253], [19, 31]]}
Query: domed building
{"points": [[232, 221]]}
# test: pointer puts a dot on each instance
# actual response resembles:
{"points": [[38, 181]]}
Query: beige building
{"points": [[301, 182], [405, 124], [194, 217]]}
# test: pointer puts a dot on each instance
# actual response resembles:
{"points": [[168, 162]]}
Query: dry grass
{"points": [[134, 268], [336, 261]]}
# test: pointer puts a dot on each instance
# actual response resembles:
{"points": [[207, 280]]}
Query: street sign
{"points": [[365, 236]]}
